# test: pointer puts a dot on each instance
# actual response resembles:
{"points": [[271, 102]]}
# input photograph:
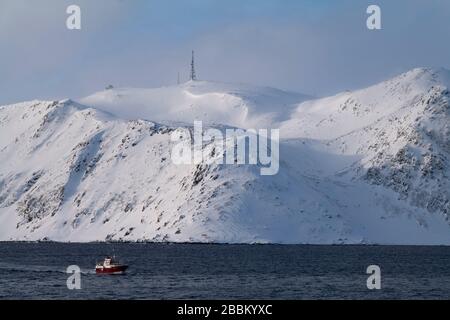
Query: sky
{"points": [[316, 47]]}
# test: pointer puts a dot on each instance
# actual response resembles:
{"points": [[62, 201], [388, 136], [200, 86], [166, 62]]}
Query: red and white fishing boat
{"points": [[110, 266]]}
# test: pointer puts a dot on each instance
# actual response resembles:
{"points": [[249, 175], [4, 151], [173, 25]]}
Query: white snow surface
{"points": [[370, 166], [238, 105]]}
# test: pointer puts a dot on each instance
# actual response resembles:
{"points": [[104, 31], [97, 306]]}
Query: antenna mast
{"points": [[193, 76]]}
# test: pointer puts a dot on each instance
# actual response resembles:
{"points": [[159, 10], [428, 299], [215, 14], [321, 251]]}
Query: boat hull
{"points": [[111, 270]]}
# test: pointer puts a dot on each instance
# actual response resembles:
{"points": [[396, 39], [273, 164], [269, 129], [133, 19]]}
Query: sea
{"points": [[224, 271]]}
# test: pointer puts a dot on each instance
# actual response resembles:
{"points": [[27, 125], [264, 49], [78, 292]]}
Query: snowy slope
{"points": [[75, 174], [242, 106], [369, 166], [399, 132], [335, 116]]}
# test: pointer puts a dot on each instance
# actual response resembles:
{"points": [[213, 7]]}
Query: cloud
{"points": [[38, 54]]}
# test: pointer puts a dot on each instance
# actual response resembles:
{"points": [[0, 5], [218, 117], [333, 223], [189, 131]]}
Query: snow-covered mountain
{"points": [[369, 166]]}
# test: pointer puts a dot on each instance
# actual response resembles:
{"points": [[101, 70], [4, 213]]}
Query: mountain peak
{"points": [[425, 76], [237, 105]]}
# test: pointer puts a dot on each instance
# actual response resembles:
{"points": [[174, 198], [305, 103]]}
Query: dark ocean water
{"points": [[195, 271]]}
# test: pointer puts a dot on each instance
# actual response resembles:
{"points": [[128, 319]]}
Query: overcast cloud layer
{"points": [[314, 47]]}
